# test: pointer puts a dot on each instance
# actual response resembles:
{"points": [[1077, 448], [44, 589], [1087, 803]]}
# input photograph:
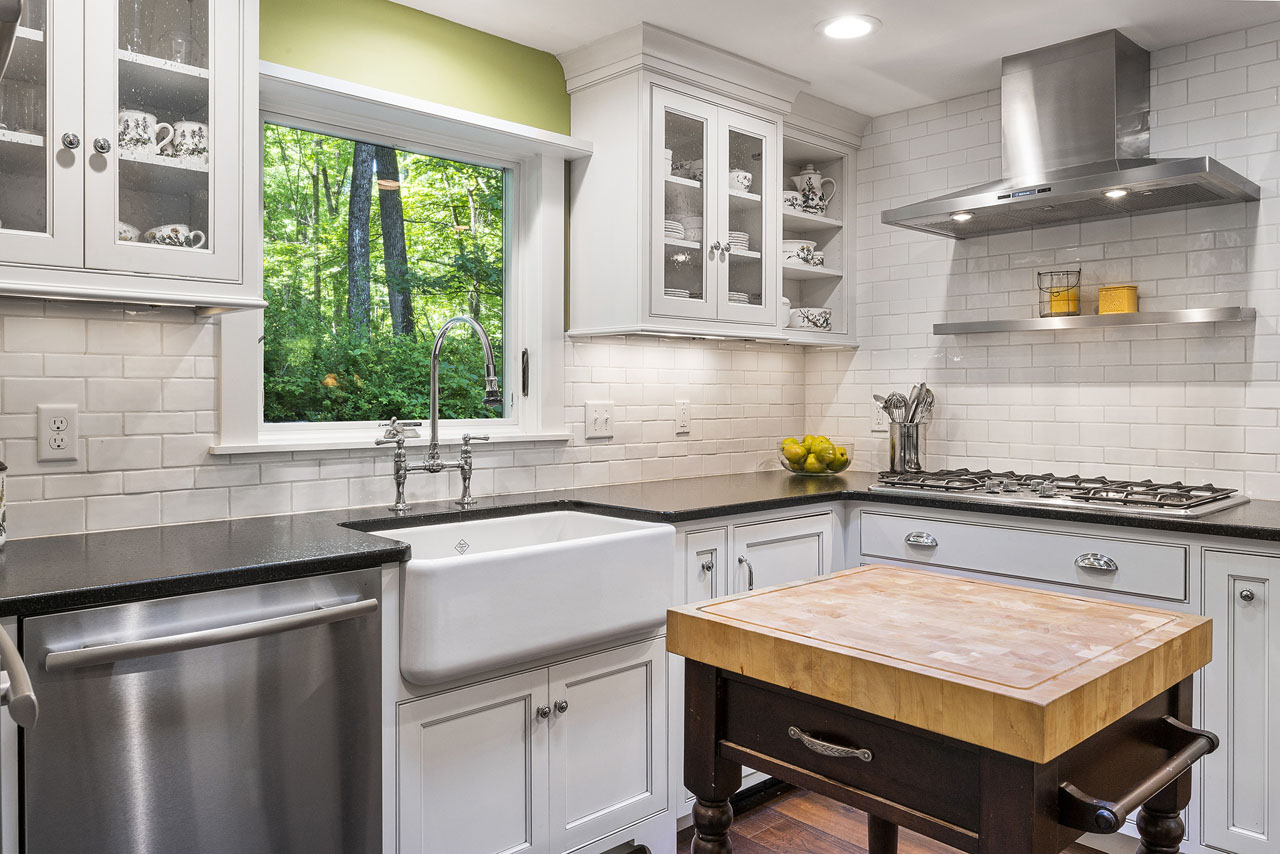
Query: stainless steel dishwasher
{"points": [[242, 720]]}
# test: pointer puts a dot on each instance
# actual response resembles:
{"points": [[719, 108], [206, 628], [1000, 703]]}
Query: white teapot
{"points": [[812, 187]]}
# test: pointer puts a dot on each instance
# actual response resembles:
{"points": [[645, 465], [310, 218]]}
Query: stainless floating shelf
{"points": [[1230, 314]]}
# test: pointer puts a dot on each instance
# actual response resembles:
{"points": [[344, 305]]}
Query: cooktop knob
{"points": [[1048, 489], [993, 484]]}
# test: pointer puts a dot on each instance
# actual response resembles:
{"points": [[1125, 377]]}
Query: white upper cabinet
{"points": [[676, 218], [125, 131]]}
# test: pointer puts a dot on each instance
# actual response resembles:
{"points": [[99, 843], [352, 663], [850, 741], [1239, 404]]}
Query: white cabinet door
{"points": [[164, 113], [1241, 703], [683, 271], [608, 742], [747, 197], [769, 553], [41, 99], [473, 769]]}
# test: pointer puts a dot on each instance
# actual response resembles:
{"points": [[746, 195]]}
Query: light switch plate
{"points": [[57, 432], [682, 416], [879, 421], [599, 417]]}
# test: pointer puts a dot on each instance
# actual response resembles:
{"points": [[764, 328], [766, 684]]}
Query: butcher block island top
{"points": [[1025, 672]]}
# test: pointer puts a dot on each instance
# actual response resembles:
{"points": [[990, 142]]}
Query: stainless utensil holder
{"points": [[905, 445]]}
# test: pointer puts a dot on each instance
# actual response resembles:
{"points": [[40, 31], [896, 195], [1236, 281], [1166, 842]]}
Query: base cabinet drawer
{"points": [[1097, 563]]}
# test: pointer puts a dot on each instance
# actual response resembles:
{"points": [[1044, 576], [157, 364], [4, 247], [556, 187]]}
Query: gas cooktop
{"points": [[1130, 497]]}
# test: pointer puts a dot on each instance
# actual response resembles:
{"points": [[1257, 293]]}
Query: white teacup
{"points": [[740, 178], [126, 233], [139, 131], [175, 234], [189, 139]]}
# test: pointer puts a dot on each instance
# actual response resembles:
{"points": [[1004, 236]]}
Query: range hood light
{"points": [[849, 27], [963, 216], [1117, 193]]}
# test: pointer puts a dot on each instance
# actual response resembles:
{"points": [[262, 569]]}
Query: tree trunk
{"points": [[317, 294], [358, 209], [395, 260]]}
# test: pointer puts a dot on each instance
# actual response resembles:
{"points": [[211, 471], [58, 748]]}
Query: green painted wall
{"points": [[383, 44]]}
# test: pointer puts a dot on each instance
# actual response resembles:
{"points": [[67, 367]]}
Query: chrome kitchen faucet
{"points": [[398, 431]]}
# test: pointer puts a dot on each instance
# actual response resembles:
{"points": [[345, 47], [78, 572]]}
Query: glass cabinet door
{"points": [[684, 268], [41, 177], [747, 196], [162, 100]]}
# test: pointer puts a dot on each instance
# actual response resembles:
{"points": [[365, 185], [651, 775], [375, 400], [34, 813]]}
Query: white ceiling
{"points": [[927, 51]]}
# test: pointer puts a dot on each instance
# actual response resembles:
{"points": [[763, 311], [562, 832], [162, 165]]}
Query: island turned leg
{"points": [[712, 780], [882, 836], [1160, 826]]}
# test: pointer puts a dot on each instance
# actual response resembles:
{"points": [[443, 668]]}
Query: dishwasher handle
{"points": [[125, 650], [15, 684]]}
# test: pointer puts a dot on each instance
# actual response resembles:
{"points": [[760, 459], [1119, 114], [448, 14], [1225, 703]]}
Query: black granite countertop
{"points": [[47, 574]]}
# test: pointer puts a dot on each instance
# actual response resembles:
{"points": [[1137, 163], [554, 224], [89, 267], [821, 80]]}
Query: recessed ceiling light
{"points": [[963, 216], [849, 26], [1117, 193]]}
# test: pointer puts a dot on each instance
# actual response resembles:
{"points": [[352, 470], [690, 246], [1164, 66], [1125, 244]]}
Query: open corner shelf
{"points": [[1229, 314], [800, 222], [796, 272]]}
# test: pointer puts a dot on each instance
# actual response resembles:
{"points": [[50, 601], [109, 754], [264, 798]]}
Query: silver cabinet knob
{"points": [[707, 565], [1096, 562], [71, 141], [544, 712], [921, 538], [1247, 595], [562, 706], [715, 247], [102, 145]]}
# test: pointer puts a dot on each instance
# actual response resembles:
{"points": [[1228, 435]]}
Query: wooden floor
{"points": [[799, 822]]}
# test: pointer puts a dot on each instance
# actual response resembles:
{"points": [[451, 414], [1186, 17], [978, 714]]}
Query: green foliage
{"points": [[317, 366]]}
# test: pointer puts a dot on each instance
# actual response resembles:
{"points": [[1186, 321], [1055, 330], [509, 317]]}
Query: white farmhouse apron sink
{"points": [[482, 595]]}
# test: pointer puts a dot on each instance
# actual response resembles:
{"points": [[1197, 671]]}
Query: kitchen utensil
{"points": [[139, 131], [175, 234], [926, 406], [895, 406], [904, 447], [879, 399], [913, 400]]}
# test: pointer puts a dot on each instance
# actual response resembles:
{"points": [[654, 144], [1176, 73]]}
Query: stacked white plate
{"points": [[740, 240], [739, 298], [677, 293], [672, 228]]}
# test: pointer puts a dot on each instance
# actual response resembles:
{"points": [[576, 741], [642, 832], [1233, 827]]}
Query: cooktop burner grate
{"points": [[1045, 488]]}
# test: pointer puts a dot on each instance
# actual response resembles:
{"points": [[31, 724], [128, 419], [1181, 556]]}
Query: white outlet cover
{"points": [[599, 419], [879, 421], [682, 416], [57, 432]]}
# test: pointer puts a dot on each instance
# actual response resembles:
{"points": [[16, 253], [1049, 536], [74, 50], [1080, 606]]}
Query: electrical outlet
{"points": [[599, 415], [57, 432], [879, 421], [682, 416]]}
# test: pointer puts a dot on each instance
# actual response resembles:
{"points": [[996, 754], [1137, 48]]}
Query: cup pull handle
{"points": [[921, 538], [1097, 562]]}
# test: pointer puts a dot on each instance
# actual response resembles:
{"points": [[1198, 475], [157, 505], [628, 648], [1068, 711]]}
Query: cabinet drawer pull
{"points": [[1095, 561], [826, 748], [1247, 595], [751, 571], [921, 538]]}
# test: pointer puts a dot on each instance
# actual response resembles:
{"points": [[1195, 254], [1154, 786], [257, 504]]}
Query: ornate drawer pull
{"points": [[826, 748], [1095, 561], [921, 538]]}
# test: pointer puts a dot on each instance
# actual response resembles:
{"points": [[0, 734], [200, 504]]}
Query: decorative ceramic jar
{"points": [[812, 186]]}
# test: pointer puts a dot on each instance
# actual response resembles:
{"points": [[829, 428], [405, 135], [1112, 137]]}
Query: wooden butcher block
{"points": [[1026, 672]]}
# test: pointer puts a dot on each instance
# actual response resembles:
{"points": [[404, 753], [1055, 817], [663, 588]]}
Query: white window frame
{"points": [[534, 233]]}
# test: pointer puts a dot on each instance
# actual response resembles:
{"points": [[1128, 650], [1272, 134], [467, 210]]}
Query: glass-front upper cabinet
{"points": [[41, 182], [684, 267], [162, 190], [713, 238]]}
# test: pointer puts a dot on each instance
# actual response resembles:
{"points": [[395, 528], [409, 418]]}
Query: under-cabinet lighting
{"points": [[1117, 193], [963, 216]]}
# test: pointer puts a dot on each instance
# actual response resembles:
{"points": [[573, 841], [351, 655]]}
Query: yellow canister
{"points": [[1117, 299]]}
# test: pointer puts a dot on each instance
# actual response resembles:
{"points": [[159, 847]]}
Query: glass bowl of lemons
{"points": [[817, 456]]}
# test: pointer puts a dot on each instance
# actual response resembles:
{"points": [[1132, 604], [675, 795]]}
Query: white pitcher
{"points": [[811, 179]]}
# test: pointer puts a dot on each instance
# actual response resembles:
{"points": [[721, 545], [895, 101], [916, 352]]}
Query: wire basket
{"points": [[1059, 293]]}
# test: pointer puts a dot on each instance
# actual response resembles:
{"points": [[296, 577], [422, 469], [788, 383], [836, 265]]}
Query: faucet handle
{"points": [[397, 429], [468, 438]]}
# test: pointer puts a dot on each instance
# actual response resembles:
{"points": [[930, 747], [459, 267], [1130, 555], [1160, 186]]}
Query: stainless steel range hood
{"points": [[1074, 122]]}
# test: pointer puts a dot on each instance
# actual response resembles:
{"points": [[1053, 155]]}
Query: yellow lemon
{"points": [[794, 453], [813, 465]]}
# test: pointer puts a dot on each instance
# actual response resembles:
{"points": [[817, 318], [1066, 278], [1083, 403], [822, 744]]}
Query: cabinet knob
{"points": [[102, 145], [562, 706], [544, 712], [71, 141], [1247, 595], [707, 565]]}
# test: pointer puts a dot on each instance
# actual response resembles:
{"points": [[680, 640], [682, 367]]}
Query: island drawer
{"points": [[1096, 563], [919, 771]]}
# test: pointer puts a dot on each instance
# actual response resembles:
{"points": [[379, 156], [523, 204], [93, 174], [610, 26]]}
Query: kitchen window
{"points": [[357, 289], [368, 250]]}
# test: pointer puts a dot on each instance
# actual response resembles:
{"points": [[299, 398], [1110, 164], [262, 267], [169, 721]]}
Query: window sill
{"points": [[345, 440]]}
